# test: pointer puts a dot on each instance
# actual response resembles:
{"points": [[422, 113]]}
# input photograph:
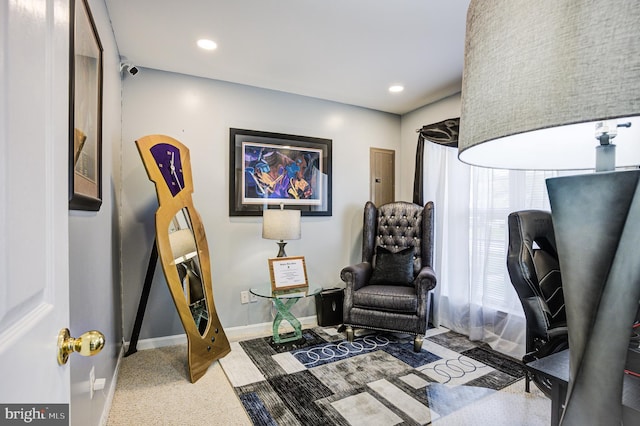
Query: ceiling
{"points": [[347, 51]]}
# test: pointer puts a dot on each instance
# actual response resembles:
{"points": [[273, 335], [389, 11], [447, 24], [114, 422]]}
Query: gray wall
{"points": [[199, 112], [94, 258]]}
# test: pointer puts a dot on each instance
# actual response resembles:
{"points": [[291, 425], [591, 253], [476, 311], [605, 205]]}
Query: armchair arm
{"points": [[356, 276], [424, 283], [426, 280]]}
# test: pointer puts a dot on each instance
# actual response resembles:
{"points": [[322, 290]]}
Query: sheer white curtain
{"points": [[474, 295]]}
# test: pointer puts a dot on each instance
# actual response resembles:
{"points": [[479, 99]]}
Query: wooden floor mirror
{"points": [[183, 250]]}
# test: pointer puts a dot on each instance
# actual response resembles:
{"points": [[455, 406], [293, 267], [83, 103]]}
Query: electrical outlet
{"points": [[92, 380], [253, 298], [244, 297], [99, 384]]}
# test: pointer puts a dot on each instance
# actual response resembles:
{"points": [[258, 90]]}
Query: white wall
{"points": [[199, 113], [94, 258]]}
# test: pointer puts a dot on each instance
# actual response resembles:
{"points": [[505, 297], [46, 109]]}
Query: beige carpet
{"points": [[154, 389]]}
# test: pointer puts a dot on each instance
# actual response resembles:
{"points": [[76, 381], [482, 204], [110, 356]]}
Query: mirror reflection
{"points": [[187, 261]]}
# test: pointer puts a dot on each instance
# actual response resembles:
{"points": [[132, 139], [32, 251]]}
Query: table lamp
{"points": [[281, 224], [546, 85]]}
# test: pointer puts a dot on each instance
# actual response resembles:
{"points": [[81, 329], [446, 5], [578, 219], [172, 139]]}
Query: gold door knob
{"points": [[88, 344]]}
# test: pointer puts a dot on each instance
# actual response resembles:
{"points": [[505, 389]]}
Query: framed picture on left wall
{"points": [[85, 110]]}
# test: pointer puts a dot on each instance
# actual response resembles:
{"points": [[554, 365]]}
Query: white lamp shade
{"points": [[537, 77], [281, 224]]}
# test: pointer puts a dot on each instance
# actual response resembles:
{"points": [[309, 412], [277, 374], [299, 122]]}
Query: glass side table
{"points": [[284, 301]]}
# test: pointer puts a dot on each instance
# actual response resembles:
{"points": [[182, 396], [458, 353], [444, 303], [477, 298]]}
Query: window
{"points": [[495, 193]]}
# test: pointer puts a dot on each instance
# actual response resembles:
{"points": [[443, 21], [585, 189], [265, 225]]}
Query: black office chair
{"points": [[532, 261]]}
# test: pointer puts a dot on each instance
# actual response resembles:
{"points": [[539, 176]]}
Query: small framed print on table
{"points": [[288, 273], [268, 170], [85, 111]]}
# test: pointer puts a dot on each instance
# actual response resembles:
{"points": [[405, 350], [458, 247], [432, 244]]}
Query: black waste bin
{"points": [[329, 306]]}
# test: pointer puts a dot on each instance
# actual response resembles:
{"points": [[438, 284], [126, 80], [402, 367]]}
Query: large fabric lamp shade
{"points": [[541, 81], [538, 74]]}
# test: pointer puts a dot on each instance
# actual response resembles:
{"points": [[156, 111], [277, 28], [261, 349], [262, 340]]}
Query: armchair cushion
{"points": [[393, 268], [401, 299]]}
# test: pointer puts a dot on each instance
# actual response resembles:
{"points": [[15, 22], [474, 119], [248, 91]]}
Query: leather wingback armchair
{"points": [[532, 262], [389, 290]]}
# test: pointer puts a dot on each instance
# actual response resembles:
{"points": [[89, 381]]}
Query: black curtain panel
{"points": [[443, 133], [418, 185]]}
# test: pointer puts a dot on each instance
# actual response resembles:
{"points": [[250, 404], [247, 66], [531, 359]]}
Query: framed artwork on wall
{"points": [[85, 110], [272, 169]]}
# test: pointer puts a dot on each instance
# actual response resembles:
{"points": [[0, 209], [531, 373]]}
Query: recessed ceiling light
{"points": [[207, 44], [396, 89]]}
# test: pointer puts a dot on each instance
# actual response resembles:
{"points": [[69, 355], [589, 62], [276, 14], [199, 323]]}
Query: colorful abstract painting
{"points": [[274, 174]]}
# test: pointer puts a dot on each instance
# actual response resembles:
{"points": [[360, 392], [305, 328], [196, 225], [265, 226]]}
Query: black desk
{"points": [[555, 367]]}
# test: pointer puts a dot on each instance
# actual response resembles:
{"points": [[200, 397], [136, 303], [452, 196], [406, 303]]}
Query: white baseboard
{"points": [[160, 342], [244, 332], [234, 334], [106, 409]]}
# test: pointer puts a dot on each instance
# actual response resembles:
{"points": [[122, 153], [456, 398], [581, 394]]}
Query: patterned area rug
{"points": [[376, 380]]}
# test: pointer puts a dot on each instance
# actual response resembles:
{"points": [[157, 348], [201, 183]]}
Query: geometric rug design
{"points": [[376, 380]]}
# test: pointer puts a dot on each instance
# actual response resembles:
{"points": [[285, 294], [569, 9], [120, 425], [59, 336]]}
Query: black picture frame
{"points": [[85, 110], [300, 173]]}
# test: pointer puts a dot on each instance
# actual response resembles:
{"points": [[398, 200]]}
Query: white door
{"points": [[34, 271]]}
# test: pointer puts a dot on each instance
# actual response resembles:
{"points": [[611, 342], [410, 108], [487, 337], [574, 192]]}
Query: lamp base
{"points": [[281, 253], [596, 219]]}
